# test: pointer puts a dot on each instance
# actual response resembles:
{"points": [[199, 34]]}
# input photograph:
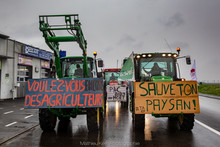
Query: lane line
{"points": [[207, 127], [28, 116], [10, 124], [22, 109], [8, 112]]}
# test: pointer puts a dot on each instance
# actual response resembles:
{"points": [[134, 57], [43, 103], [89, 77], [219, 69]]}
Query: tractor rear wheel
{"points": [[186, 122], [93, 123], [47, 119], [139, 121]]}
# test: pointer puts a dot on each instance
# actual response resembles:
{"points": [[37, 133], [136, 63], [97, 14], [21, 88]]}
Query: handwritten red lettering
{"points": [[85, 95], [71, 85], [67, 86], [45, 99], [27, 98], [36, 86], [66, 100], [58, 87], [32, 100], [63, 93], [63, 100], [82, 85], [79, 100], [41, 89], [73, 104], [76, 86], [99, 99], [39, 102], [53, 102], [30, 87], [91, 97], [46, 87], [58, 98]]}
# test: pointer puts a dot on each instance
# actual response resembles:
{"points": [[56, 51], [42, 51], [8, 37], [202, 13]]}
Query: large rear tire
{"points": [[92, 122], [139, 121], [186, 122], [47, 119]]}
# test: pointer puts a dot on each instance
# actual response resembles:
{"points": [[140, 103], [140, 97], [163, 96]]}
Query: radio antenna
{"points": [[168, 44]]}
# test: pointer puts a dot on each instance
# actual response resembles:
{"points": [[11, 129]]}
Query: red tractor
{"points": [[115, 90]]}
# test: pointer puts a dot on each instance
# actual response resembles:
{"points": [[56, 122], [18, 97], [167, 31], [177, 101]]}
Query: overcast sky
{"points": [[115, 28]]}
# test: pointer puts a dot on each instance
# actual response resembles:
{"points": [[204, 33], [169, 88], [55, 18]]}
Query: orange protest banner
{"points": [[171, 97]]}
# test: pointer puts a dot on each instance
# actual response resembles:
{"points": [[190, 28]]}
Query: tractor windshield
{"points": [[111, 77], [156, 67], [73, 67]]}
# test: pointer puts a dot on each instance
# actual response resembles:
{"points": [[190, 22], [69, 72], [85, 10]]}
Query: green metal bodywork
{"points": [[73, 26], [155, 78]]}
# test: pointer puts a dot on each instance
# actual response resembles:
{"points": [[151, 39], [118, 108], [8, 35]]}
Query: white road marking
{"points": [[8, 112], [10, 124], [207, 127], [22, 109], [28, 116]]}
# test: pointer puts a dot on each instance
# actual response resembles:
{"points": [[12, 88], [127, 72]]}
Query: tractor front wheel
{"points": [[186, 122], [139, 121], [93, 121], [47, 119]]}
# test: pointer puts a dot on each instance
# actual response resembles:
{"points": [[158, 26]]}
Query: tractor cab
{"points": [[156, 67], [72, 67], [111, 76]]}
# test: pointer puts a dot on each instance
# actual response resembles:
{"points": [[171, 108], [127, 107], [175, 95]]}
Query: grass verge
{"points": [[209, 89]]}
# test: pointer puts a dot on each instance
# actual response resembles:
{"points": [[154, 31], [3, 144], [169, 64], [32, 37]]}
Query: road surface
{"points": [[21, 125]]}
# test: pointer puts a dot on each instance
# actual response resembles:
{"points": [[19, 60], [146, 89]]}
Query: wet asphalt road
{"points": [[117, 129]]}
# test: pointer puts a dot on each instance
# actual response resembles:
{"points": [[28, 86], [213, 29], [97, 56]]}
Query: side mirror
{"points": [[100, 63], [188, 60]]}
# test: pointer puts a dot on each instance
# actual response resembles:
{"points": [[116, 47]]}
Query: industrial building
{"points": [[18, 63]]}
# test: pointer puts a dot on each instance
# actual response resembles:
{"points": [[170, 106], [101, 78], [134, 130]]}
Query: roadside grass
{"points": [[209, 89]]}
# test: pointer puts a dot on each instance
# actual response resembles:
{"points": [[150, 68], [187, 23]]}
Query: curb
{"points": [[210, 96]]}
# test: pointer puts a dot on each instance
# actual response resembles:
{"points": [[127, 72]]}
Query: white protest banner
{"points": [[116, 93]]}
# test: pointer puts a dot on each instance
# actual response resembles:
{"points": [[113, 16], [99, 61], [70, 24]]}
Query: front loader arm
{"points": [[76, 35]]}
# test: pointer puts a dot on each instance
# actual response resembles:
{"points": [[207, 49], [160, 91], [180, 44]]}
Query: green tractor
{"points": [[157, 89], [72, 72]]}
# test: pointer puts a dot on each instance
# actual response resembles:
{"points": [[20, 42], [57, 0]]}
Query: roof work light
{"points": [[138, 56], [178, 50], [95, 53]]}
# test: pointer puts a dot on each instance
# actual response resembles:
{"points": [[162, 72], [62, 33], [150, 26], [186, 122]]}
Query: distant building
{"points": [[18, 63]]}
